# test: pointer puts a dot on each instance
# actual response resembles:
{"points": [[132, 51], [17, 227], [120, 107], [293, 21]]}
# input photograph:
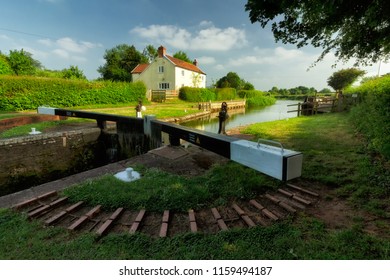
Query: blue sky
{"points": [[218, 33]]}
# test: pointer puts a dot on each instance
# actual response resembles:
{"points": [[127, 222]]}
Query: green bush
{"points": [[225, 94], [372, 115], [256, 98], [27, 93], [192, 94]]}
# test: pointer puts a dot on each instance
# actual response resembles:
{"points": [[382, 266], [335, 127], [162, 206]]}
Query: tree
{"points": [[344, 78], [120, 61], [73, 72], [182, 56], [22, 63], [150, 53], [353, 29], [230, 80], [5, 68]]}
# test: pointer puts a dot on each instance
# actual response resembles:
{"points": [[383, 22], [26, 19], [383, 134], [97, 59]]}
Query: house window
{"points": [[182, 73], [161, 69], [163, 86]]}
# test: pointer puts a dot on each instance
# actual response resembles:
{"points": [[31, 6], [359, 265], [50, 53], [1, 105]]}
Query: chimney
{"points": [[161, 51], [195, 62]]}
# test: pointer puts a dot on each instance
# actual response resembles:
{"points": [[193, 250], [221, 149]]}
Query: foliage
{"points": [[150, 53], [182, 56], [300, 90], [193, 94], [73, 72], [231, 80], [372, 115], [120, 61], [256, 98], [225, 93], [344, 78], [27, 93], [352, 29], [22, 63], [5, 68]]}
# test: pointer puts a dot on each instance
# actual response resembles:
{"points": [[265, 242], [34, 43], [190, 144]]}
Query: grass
{"points": [[23, 239], [158, 190], [334, 155]]}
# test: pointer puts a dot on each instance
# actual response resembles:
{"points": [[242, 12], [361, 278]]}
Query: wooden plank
{"points": [[272, 198], [248, 221], [303, 190], [104, 227], [193, 227], [287, 207], [256, 204], [302, 200], [216, 214], [84, 218], [107, 224], [140, 216], [78, 223], [163, 230], [238, 209], [93, 211], [191, 215], [116, 214], [221, 224], [269, 214], [55, 218], [165, 217], [38, 211], [60, 215], [134, 227], [286, 193]]}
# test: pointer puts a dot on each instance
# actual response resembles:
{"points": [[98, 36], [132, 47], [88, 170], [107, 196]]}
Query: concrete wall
{"points": [[31, 160]]}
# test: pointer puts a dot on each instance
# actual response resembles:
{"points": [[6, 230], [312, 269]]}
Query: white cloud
{"points": [[73, 46], [206, 60], [208, 38], [61, 53]]}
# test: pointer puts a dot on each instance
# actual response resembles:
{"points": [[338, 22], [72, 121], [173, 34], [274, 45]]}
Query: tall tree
{"points": [[182, 55], [120, 61], [231, 80], [352, 29], [344, 78], [150, 53], [22, 63]]}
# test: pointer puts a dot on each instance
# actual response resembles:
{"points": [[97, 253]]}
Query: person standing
{"points": [[138, 109], [223, 116]]}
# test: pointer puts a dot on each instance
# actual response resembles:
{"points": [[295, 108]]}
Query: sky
{"points": [[217, 33]]}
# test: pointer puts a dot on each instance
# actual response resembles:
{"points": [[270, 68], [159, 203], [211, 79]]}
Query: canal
{"points": [[241, 117]]}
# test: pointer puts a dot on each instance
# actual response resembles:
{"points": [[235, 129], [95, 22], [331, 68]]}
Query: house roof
{"points": [[178, 62], [185, 65], [139, 68]]}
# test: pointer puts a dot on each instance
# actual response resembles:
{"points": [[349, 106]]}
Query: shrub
{"points": [[27, 93], [225, 93], [256, 98], [372, 115], [192, 94]]}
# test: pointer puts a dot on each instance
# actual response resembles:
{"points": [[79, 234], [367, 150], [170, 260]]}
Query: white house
{"points": [[169, 74]]}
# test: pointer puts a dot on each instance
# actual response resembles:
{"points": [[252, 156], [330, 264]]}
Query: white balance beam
{"points": [[274, 161]]}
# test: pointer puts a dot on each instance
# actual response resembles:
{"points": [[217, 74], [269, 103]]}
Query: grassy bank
{"points": [[334, 156]]}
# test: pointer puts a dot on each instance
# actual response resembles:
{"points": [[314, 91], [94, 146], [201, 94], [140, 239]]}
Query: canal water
{"points": [[241, 117]]}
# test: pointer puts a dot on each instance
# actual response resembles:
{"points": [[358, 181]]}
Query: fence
{"points": [[163, 95]]}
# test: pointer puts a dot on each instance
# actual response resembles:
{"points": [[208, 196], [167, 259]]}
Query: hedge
{"points": [[256, 98], [27, 93], [372, 115], [192, 94]]}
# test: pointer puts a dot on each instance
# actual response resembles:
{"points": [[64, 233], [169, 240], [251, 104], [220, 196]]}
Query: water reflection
{"points": [[240, 117]]}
